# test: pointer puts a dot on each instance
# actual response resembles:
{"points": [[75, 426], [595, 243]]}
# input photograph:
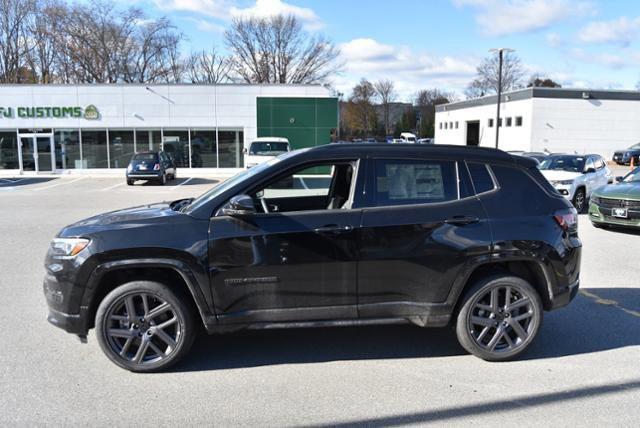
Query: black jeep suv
{"points": [[334, 235]]}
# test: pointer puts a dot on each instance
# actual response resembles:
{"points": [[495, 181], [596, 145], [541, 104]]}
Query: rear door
{"points": [[421, 225]]}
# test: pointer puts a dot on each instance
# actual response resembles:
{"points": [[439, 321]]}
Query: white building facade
{"points": [[555, 120], [66, 128]]}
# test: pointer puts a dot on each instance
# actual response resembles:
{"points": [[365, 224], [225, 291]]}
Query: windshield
{"points": [[632, 177], [268, 148], [145, 157], [635, 147], [563, 163]]}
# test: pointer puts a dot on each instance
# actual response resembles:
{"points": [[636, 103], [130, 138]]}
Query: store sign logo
{"points": [[90, 112]]}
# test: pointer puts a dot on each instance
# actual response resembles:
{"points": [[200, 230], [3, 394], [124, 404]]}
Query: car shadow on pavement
{"points": [[622, 230], [598, 319], [24, 181], [254, 348]]}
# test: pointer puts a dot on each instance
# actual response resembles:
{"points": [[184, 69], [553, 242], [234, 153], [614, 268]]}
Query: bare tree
{"points": [[43, 54], [487, 75], [359, 113], [386, 93], [426, 101], [207, 67], [278, 50], [15, 17]]}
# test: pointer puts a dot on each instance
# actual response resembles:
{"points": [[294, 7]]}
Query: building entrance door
{"points": [[37, 153], [473, 133]]}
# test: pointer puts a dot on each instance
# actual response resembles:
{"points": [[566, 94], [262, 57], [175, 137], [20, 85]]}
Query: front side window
{"points": [[321, 186], [403, 182]]}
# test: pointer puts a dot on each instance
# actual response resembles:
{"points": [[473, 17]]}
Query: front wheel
{"points": [[579, 200], [499, 318], [142, 326]]}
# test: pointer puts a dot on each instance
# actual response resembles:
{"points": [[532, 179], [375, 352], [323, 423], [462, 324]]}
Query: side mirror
{"points": [[589, 170], [244, 151], [619, 179], [239, 205]]}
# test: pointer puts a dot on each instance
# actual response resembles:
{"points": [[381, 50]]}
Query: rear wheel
{"points": [[129, 182], [499, 318], [163, 179], [579, 200], [143, 327]]}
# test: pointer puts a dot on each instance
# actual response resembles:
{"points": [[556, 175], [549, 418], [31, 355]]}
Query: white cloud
{"points": [[228, 9], [267, 8], [622, 59], [620, 31], [554, 40], [410, 70], [503, 17], [206, 25]]}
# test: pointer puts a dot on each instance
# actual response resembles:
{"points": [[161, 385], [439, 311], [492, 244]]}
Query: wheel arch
{"points": [[531, 270], [173, 273]]}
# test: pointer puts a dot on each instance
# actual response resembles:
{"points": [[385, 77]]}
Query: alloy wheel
{"points": [[579, 201], [502, 319], [143, 328]]}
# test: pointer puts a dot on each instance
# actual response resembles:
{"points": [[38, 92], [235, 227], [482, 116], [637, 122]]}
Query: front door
{"points": [[37, 152], [420, 225], [295, 258]]}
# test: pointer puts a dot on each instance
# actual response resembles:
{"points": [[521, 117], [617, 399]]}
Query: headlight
{"points": [[563, 182], [68, 247], [130, 168]]}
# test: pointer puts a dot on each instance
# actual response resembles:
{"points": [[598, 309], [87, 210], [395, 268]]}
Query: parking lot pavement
{"points": [[583, 369]]}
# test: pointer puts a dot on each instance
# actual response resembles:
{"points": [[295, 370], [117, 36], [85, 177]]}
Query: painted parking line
{"points": [[112, 187], [608, 302], [58, 184], [184, 182]]}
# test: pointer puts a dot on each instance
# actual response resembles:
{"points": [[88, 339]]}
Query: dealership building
{"points": [[97, 128], [545, 119]]}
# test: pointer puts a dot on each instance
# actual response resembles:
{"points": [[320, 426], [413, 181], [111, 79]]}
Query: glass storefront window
{"points": [[203, 149], [230, 149], [94, 148], [148, 139], [67, 146], [121, 148], [8, 150], [176, 145]]}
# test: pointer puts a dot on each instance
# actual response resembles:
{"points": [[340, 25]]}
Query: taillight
{"points": [[156, 167], [567, 219]]}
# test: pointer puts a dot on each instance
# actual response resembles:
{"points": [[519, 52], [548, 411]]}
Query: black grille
{"points": [[618, 203]]}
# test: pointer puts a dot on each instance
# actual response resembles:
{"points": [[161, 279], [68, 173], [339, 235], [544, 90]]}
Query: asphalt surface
{"points": [[583, 369]]}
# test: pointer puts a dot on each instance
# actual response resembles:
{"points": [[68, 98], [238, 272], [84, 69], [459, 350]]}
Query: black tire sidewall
{"points": [[182, 311], [464, 336], [584, 200]]}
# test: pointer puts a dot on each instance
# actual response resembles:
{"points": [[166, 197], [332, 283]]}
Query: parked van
{"points": [[408, 137], [264, 149]]}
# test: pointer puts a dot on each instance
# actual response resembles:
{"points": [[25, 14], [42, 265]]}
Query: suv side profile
{"points": [[328, 236]]}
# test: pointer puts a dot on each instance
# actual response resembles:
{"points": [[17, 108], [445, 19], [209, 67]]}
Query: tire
{"points": [[129, 182], [580, 200], [163, 179], [137, 343], [489, 333]]}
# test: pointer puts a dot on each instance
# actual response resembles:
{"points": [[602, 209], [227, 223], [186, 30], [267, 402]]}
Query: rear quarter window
{"points": [[519, 189], [482, 180]]}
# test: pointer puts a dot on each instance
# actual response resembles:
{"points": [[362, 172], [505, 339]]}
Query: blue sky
{"points": [[438, 43]]}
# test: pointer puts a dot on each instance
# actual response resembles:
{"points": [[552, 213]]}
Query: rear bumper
{"points": [[565, 295], [144, 175]]}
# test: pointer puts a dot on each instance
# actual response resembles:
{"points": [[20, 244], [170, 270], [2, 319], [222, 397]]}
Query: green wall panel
{"points": [[306, 122]]}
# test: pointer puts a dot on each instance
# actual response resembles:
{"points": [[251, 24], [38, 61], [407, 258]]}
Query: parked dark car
{"points": [[367, 234], [623, 157], [151, 166]]}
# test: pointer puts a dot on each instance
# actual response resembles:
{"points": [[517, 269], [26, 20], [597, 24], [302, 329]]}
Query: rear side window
{"points": [[482, 180], [404, 182], [518, 189]]}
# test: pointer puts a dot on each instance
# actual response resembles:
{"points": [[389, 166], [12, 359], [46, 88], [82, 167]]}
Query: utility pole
{"points": [[500, 52]]}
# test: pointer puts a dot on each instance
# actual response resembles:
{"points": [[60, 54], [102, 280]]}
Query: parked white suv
{"points": [[576, 176], [264, 149]]}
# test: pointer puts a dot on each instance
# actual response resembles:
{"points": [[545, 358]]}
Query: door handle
{"points": [[334, 229], [461, 220]]}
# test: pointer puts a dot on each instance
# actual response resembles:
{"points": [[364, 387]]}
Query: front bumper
{"points": [[566, 190], [602, 216]]}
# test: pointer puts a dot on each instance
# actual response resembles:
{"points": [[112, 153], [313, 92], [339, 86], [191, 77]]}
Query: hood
{"points": [[126, 218], [620, 191], [557, 175]]}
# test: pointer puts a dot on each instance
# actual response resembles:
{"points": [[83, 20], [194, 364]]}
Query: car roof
{"points": [[406, 149], [270, 140]]}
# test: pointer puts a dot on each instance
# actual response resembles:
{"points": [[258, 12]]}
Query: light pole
{"points": [[500, 55]]}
